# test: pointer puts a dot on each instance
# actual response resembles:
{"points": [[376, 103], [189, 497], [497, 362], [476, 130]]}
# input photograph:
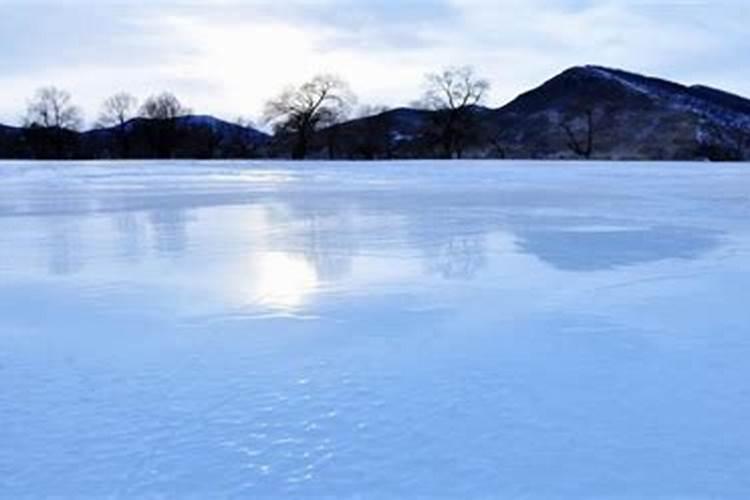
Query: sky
{"points": [[227, 58]]}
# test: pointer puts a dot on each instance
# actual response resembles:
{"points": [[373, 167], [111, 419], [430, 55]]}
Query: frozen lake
{"points": [[375, 330]]}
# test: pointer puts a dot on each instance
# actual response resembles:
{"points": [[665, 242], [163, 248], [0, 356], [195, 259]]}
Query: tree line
{"points": [[297, 116]]}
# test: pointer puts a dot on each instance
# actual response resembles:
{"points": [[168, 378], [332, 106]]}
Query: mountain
{"points": [[584, 112], [408, 133], [397, 133], [632, 117], [192, 136], [10, 141]]}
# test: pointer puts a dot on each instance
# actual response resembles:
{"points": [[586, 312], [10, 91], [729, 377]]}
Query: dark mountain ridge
{"points": [[584, 112], [190, 136], [632, 117]]}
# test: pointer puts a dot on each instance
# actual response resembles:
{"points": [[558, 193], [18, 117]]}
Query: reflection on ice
{"points": [[472, 330], [461, 257], [267, 240], [593, 249], [279, 281], [63, 242], [282, 239], [129, 235], [169, 228]]}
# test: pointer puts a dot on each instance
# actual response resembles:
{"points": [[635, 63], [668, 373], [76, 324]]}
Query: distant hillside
{"points": [[184, 137], [397, 133], [632, 117], [585, 112], [10, 142], [190, 136]]}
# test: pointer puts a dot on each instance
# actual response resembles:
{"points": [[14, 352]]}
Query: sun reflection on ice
{"points": [[281, 281]]}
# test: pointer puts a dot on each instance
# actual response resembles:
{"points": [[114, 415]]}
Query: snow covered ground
{"points": [[375, 330]]}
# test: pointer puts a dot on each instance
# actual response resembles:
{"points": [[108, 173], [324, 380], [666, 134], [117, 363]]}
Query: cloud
{"points": [[227, 57]]}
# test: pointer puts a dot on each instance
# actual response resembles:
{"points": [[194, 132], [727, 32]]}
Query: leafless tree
{"points": [[118, 109], [50, 124], [162, 132], [53, 108], [583, 148], [164, 106], [452, 94], [300, 112]]}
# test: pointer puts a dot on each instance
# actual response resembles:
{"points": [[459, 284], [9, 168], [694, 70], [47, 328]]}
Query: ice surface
{"points": [[374, 330]]}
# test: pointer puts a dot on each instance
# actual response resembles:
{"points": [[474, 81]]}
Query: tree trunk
{"points": [[299, 152]]}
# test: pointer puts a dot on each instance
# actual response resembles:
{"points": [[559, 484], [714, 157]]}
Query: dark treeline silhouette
{"points": [[585, 112], [161, 128]]}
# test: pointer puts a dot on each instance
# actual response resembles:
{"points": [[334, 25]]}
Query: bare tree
{"points": [[50, 124], [300, 112], [583, 148], [118, 109], [453, 94], [162, 132], [53, 108], [164, 106]]}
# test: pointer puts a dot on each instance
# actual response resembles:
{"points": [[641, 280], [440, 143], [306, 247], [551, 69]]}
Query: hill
{"points": [[631, 116], [191, 136], [584, 112], [626, 115]]}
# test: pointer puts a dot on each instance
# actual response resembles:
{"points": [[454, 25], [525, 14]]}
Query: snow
{"points": [[679, 101], [462, 329], [649, 91]]}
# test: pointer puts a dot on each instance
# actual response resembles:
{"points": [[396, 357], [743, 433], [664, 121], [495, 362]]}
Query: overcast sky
{"points": [[227, 57]]}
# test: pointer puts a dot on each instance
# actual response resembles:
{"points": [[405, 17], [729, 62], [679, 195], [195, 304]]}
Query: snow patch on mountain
{"points": [[676, 96]]}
